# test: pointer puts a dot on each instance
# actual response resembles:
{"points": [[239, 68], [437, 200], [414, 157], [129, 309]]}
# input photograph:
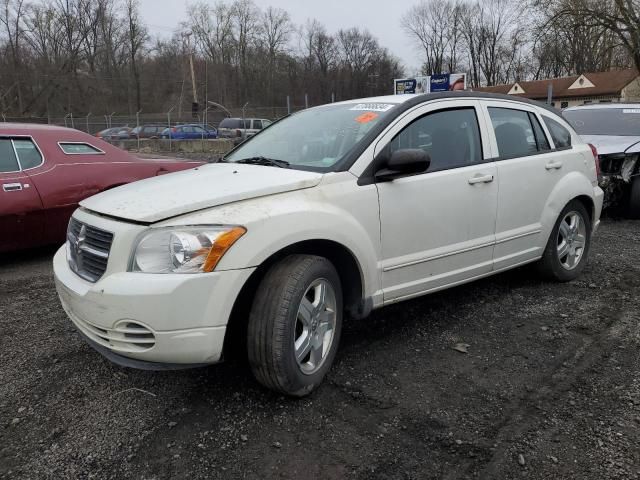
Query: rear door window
{"points": [[28, 153], [257, 124], [8, 159], [514, 132]]}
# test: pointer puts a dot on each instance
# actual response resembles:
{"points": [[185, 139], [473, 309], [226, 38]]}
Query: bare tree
{"points": [[619, 19], [434, 25], [11, 19], [96, 56], [136, 38], [321, 53], [274, 35], [245, 16]]}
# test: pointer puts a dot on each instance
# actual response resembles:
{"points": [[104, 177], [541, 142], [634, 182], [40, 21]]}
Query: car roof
{"points": [[408, 101], [600, 106], [245, 118], [28, 128], [411, 99]]}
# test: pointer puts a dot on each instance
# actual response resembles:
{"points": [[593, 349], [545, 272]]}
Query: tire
{"points": [[634, 199], [557, 265], [278, 322]]}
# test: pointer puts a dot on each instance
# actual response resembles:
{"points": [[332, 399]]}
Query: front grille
{"points": [[88, 250]]}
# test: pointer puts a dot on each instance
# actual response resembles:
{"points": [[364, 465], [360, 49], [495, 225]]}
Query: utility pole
{"points": [[194, 105]]}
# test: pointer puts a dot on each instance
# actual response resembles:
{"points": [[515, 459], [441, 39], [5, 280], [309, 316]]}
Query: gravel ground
{"points": [[549, 389]]}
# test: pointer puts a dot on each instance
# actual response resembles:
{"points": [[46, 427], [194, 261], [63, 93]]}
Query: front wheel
{"points": [[565, 255], [295, 324]]}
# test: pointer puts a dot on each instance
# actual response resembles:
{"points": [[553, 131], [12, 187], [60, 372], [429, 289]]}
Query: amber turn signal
{"points": [[220, 247]]}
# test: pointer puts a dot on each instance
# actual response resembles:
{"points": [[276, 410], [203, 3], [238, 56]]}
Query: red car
{"points": [[46, 170]]}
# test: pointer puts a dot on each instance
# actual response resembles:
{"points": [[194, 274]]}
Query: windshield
{"points": [[605, 121], [314, 139]]}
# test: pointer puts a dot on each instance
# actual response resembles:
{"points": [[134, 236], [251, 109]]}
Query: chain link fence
{"points": [[94, 123]]}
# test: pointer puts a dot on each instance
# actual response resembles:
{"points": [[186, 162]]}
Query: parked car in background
{"points": [[45, 171], [614, 130], [190, 131], [241, 128], [148, 131], [340, 208], [114, 133]]}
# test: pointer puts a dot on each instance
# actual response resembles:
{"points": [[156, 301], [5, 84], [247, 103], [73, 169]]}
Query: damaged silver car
{"points": [[614, 130]]}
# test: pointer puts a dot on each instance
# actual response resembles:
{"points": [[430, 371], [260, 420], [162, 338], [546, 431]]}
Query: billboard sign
{"points": [[441, 82], [412, 85]]}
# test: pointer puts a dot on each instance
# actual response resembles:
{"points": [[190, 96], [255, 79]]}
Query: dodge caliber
{"points": [[327, 214]]}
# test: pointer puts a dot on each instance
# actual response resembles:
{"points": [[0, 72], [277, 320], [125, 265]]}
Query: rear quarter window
{"points": [[72, 148], [560, 135]]}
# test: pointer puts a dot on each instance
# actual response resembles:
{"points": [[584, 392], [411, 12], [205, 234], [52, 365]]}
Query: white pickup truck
{"points": [[328, 214]]}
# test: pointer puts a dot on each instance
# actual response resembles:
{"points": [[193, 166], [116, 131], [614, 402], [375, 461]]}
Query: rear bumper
{"points": [[598, 200]]}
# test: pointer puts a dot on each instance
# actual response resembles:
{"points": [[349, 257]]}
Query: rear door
{"points": [[21, 212], [528, 171]]}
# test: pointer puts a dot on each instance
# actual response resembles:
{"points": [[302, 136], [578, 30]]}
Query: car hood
{"points": [[607, 144], [210, 185]]}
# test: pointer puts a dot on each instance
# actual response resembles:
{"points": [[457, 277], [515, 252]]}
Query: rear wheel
{"points": [[566, 253], [295, 324], [634, 198]]}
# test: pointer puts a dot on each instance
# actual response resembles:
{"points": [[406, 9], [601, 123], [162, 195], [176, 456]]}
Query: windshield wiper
{"points": [[271, 162]]}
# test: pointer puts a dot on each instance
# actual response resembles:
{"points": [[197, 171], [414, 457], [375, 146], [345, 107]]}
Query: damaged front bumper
{"points": [[616, 174]]}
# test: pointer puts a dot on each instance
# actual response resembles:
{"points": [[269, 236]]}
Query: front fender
{"points": [[340, 212]]}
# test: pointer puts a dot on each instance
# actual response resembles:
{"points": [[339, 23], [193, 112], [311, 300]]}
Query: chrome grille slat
{"points": [[88, 250]]}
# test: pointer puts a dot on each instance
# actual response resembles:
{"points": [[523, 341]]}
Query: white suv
{"points": [[328, 214]]}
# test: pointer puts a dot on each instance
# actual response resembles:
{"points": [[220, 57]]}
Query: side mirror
{"points": [[403, 163]]}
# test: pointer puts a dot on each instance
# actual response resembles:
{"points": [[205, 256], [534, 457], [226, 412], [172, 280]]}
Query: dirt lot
{"points": [[549, 388]]}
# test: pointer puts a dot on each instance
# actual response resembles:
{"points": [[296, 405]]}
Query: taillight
{"points": [[596, 159]]}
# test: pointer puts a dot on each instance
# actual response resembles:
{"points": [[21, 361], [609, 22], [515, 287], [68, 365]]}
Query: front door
{"points": [[21, 212], [438, 228]]}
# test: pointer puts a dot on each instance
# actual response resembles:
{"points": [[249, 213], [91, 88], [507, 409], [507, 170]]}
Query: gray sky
{"points": [[380, 17]]}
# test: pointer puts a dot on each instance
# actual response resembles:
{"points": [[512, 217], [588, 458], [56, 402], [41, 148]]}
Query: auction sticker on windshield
{"points": [[366, 117], [373, 107]]}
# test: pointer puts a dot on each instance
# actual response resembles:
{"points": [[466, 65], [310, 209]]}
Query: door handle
{"points": [[480, 179], [553, 165], [11, 187]]}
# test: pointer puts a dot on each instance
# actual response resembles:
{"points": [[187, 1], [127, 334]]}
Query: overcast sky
{"points": [[380, 17]]}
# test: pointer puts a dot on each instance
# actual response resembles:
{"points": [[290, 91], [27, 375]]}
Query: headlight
{"points": [[183, 250]]}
